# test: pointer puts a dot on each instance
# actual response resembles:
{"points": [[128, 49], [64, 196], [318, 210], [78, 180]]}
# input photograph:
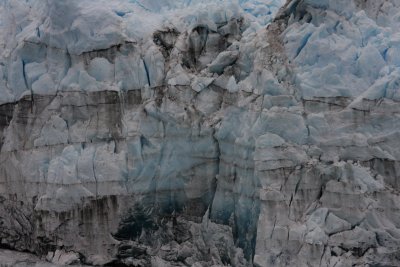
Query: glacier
{"points": [[187, 133]]}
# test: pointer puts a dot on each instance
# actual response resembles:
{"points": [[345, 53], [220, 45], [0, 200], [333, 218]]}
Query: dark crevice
{"points": [[215, 182], [166, 40], [108, 53], [26, 84], [147, 72], [304, 42]]}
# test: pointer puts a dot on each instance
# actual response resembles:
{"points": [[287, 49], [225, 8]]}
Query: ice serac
{"points": [[186, 133]]}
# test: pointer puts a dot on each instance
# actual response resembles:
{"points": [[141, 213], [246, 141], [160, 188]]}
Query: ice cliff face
{"points": [[149, 133]]}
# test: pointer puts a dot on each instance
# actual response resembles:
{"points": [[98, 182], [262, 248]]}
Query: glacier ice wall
{"points": [[181, 133]]}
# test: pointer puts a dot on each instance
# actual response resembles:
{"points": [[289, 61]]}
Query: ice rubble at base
{"points": [[18, 259], [288, 134]]}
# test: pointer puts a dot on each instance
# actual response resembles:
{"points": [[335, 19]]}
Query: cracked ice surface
{"points": [[353, 51], [69, 29], [201, 132]]}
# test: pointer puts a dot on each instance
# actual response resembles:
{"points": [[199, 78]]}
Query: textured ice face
{"points": [[188, 131], [346, 49], [257, 8], [76, 27]]}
